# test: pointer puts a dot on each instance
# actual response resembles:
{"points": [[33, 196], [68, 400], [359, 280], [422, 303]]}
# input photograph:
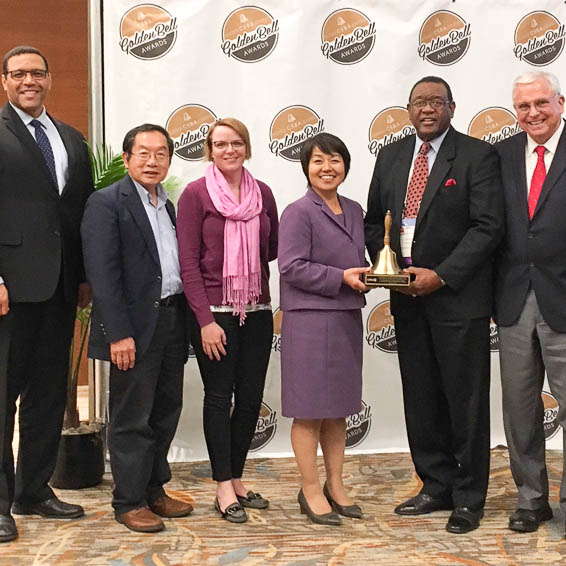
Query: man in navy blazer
{"points": [[442, 319], [139, 324], [531, 288], [41, 280]]}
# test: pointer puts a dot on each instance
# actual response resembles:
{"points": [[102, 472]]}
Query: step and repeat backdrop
{"points": [[292, 69]]}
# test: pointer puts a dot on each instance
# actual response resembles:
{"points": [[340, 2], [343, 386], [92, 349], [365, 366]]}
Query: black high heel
{"points": [[324, 519], [352, 511]]}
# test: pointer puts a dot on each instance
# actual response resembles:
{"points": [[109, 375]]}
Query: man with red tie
{"points": [[444, 192], [531, 287]]}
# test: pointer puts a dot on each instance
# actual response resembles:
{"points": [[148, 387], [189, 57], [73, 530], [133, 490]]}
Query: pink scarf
{"points": [[241, 273]]}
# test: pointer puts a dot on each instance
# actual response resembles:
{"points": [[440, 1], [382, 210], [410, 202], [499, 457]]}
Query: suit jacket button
{"points": [[57, 233], [532, 264], [156, 304]]}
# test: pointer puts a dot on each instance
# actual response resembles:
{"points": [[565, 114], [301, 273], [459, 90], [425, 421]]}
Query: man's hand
{"points": [[4, 301], [123, 353], [213, 340], [426, 281], [84, 296]]}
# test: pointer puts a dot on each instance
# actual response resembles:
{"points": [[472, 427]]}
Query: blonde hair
{"points": [[237, 126]]}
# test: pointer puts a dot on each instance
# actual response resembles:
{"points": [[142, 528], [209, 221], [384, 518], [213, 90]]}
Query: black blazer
{"points": [[40, 229], [533, 252], [123, 268], [459, 225]]}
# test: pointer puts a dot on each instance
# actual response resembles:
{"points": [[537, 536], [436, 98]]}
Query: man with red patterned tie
{"points": [[531, 288], [444, 192]]}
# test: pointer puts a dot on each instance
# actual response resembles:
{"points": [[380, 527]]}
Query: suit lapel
{"points": [[71, 156], [329, 214], [137, 210], [520, 184], [556, 170], [19, 129], [442, 165]]}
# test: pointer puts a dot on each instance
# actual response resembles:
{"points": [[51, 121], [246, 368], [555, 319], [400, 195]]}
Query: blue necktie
{"points": [[45, 146]]}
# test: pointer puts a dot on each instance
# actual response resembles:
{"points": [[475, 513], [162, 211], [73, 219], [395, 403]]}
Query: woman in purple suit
{"points": [[321, 249]]}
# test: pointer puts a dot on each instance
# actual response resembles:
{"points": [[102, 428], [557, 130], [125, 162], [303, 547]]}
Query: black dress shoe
{"points": [[234, 513], [352, 511], [331, 518], [463, 520], [422, 504], [529, 520], [8, 530], [253, 501], [52, 508]]}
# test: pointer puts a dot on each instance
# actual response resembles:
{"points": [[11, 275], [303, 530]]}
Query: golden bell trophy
{"points": [[386, 272]]}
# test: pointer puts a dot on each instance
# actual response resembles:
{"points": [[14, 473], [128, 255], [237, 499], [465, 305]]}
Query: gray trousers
{"points": [[527, 349]]}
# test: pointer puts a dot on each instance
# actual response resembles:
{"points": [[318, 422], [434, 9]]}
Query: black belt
{"points": [[171, 300]]}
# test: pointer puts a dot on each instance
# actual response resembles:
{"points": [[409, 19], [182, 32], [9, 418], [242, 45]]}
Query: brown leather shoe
{"points": [[141, 520], [166, 506]]}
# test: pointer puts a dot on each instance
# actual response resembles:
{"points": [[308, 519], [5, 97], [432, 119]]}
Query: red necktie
{"points": [[418, 182], [537, 181]]}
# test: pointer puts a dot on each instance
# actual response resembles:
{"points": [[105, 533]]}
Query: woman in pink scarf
{"points": [[227, 231]]}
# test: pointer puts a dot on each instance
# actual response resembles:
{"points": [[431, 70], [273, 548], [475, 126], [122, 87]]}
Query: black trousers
{"points": [[145, 404], [34, 353], [241, 375], [445, 371]]}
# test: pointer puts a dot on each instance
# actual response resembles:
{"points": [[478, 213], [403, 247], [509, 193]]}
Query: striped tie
{"points": [[45, 146]]}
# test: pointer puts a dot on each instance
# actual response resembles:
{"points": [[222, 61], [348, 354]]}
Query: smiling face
{"points": [[326, 171], [29, 93], [228, 149], [148, 162], [539, 109], [429, 121]]}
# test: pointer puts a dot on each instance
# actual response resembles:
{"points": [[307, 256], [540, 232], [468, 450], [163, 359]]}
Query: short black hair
{"points": [[21, 50], [433, 79], [130, 137], [327, 143]]}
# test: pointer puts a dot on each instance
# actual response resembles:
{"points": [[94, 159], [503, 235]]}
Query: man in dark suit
{"points": [[139, 324], [45, 180], [443, 189], [531, 288]]}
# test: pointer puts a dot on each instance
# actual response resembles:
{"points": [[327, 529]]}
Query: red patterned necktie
{"points": [[537, 181], [418, 182]]}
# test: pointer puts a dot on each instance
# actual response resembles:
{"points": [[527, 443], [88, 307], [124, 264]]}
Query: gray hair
{"points": [[532, 76]]}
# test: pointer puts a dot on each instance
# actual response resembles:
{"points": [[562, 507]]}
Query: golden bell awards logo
{"points": [[539, 38], [390, 125], [493, 124], [493, 336], [358, 426], [265, 429], [277, 322], [188, 127], [551, 424], [291, 128], [249, 34], [348, 36], [147, 31], [380, 329], [444, 38]]}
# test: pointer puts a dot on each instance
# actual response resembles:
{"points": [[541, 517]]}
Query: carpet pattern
{"points": [[280, 535]]}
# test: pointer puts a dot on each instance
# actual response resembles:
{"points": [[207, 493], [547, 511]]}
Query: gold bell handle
{"points": [[387, 222]]}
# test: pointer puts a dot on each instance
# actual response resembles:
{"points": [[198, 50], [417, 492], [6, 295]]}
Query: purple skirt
{"points": [[321, 363]]}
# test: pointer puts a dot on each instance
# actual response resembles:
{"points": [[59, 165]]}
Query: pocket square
{"points": [[450, 183]]}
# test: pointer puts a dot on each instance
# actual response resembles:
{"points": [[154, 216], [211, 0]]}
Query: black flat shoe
{"points": [[324, 519], [463, 520], [352, 511], [234, 513], [52, 508], [8, 530], [253, 501], [529, 520], [422, 504]]}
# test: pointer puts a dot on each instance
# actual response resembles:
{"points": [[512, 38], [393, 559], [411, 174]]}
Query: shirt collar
{"points": [[550, 145], [146, 197], [434, 144], [26, 118]]}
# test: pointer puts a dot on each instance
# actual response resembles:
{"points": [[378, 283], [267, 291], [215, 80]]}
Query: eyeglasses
{"points": [[524, 107], [435, 103], [145, 155], [20, 74], [237, 144]]}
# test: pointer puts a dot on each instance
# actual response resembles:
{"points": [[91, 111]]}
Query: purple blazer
{"points": [[315, 247]]}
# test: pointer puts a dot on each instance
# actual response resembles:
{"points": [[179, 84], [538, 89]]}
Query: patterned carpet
{"points": [[282, 536]]}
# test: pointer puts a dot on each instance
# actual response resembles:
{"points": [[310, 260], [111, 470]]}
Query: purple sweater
{"points": [[200, 233]]}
